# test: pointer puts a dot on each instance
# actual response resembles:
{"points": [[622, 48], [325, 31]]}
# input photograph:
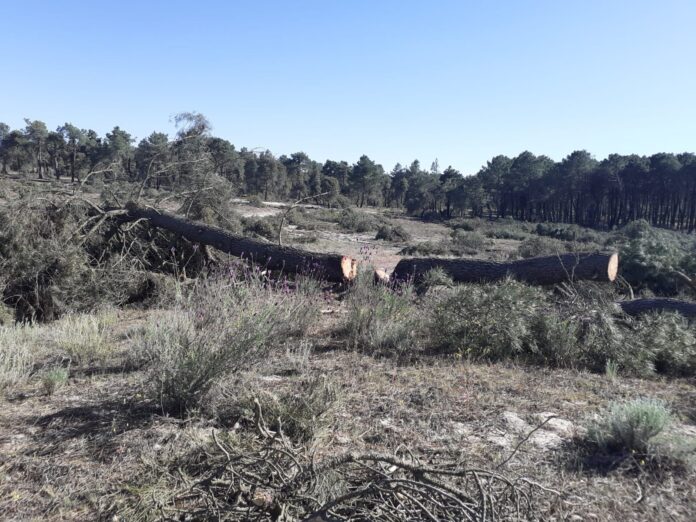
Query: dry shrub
{"points": [[226, 325], [16, 354], [381, 320]]}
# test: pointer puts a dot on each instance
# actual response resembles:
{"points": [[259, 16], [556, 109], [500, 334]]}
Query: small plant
{"points": [[540, 246], [629, 426], [354, 221], [255, 201], [53, 379], [611, 370]]}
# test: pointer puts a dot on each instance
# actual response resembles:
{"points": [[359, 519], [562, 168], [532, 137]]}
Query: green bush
{"points": [[428, 248], [392, 233], [353, 221], [650, 256], [568, 233], [380, 320], [226, 325], [540, 246], [469, 242], [486, 321], [630, 426], [303, 415], [671, 341]]}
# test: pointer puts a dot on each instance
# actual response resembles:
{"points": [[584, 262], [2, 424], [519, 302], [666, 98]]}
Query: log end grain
{"points": [[613, 267]]}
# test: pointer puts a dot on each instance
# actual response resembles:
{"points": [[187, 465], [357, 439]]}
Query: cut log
{"points": [[330, 267], [645, 306], [537, 271]]}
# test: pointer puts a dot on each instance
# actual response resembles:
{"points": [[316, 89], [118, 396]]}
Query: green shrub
{"points": [[470, 242], [650, 256], [504, 232], [226, 325], [53, 379], [540, 246], [671, 341], [393, 233], [16, 358], [568, 233], [427, 248], [266, 228], [354, 221], [436, 277], [486, 321], [630, 426], [380, 319]]}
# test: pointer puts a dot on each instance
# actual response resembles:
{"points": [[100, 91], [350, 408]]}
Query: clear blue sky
{"points": [[455, 80]]}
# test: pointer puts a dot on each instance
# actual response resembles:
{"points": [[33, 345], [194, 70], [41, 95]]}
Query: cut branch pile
{"points": [[266, 477]]}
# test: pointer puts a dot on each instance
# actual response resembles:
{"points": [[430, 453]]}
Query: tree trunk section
{"points": [[330, 267], [644, 306], [536, 271]]}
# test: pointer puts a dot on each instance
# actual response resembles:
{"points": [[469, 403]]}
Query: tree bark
{"points": [[330, 267], [644, 306], [537, 271]]}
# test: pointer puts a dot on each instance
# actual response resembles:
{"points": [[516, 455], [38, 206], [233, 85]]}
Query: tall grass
{"points": [[84, 337], [16, 354]]}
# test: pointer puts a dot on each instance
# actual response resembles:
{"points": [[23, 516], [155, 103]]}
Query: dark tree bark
{"points": [[538, 271], [644, 306], [330, 267]]}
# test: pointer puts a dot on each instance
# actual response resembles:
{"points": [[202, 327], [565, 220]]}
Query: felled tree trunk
{"points": [[330, 267], [644, 306], [537, 271]]}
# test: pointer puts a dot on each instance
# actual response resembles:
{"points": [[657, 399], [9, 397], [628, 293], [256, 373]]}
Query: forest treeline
{"points": [[578, 189]]}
